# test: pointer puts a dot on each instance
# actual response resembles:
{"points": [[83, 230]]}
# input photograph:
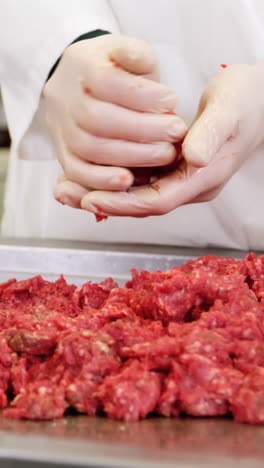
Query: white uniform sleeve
{"points": [[33, 35]]}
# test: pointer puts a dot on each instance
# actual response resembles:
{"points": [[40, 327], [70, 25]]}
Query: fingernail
{"points": [[88, 207], [168, 98], [165, 104], [163, 150], [178, 129], [68, 201], [95, 209], [194, 156]]}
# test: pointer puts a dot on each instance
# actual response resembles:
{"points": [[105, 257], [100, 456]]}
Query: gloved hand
{"points": [[228, 127], [106, 111]]}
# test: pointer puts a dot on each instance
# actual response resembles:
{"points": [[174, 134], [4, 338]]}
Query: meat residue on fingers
{"points": [[114, 62], [99, 216], [155, 187]]}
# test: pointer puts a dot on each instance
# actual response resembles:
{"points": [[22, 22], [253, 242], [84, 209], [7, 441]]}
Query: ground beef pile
{"points": [[185, 341]]}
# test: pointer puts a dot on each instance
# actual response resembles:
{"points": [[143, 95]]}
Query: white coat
{"points": [[192, 38]]}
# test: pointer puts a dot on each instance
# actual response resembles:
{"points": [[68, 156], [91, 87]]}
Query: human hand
{"points": [[227, 129], [106, 111]]}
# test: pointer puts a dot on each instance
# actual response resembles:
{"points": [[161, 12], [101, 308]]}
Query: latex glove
{"points": [[106, 112], [228, 127]]}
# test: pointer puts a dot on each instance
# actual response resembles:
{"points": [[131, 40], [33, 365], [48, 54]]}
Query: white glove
{"points": [[106, 111], [229, 126]]}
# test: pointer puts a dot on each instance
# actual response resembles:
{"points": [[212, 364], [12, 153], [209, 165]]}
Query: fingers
{"points": [[96, 176], [108, 120], [109, 83], [158, 199], [117, 204], [117, 152], [215, 124], [185, 185], [135, 56], [115, 71], [89, 65], [69, 193]]}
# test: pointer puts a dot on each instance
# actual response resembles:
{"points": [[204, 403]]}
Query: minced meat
{"points": [[185, 341]]}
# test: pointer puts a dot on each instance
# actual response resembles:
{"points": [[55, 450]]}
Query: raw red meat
{"points": [[132, 393], [188, 340]]}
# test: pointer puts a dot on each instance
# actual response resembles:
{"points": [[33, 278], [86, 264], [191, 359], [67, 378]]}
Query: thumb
{"points": [[136, 56], [213, 126]]}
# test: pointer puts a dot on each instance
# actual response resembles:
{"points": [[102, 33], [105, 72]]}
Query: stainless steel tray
{"points": [[76, 441]]}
